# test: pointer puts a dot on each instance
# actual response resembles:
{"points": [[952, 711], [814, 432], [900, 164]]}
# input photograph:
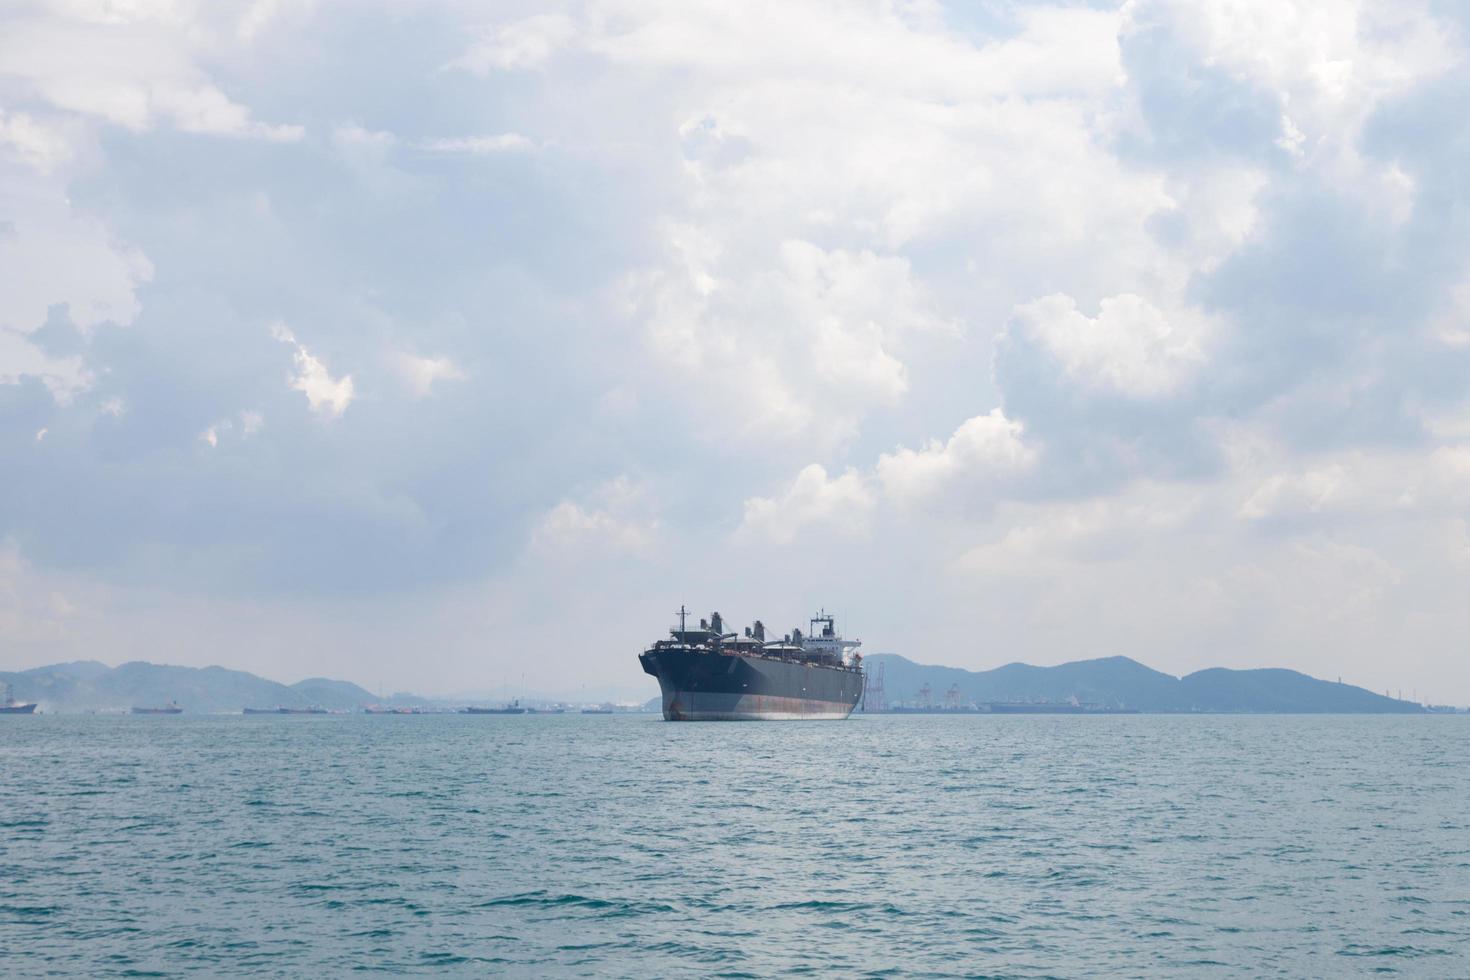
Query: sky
{"points": [[451, 346]]}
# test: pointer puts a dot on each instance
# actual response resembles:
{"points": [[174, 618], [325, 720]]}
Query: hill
{"points": [[1119, 682], [91, 686], [1274, 689], [327, 692], [1114, 682]]}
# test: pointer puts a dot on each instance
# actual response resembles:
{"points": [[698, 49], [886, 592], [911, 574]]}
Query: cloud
{"points": [[618, 520], [479, 145], [37, 144], [1254, 77], [1130, 348], [984, 453], [420, 374], [247, 423], [128, 65], [327, 396], [31, 612], [1072, 304], [354, 135], [842, 504], [259, 15], [55, 254], [520, 45], [63, 272], [796, 350], [1353, 487]]}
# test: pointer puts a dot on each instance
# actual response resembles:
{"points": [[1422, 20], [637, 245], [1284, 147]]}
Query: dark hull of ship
{"points": [[158, 711], [17, 709], [493, 711], [698, 685]]}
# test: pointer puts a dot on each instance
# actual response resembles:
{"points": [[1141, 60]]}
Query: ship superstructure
{"points": [[707, 674]]}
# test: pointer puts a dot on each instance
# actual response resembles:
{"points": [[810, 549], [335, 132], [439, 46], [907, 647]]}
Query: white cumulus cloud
{"points": [[618, 518], [842, 504], [522, 44], [983, 453], [794, 350], [327, 396], [1131, 347]]}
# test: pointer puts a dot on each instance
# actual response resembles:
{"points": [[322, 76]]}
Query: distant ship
{"points": [[283, 710], [172, 708], [1010, 708], [10, 706], [706, 674], [514, 708], [1038, 708]]}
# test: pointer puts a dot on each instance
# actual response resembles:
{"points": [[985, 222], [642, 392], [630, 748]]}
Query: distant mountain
{"points": [[91, 686], [1115, 682], [327, 692], [1218, 689], [1119, 682]]}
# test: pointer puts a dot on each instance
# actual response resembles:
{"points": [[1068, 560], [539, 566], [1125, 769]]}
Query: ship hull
{"points": [[699, 685], [17, 709]]}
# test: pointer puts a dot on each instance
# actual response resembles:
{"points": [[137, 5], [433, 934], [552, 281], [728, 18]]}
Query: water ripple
{"points": [[612, 846]]}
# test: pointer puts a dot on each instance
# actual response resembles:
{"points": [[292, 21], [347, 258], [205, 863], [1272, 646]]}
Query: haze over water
{"points": [[895, 846]]}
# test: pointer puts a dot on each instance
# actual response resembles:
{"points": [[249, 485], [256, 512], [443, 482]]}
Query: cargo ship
{"points": [[10, 706], [514, 708], [172, 708], [706, 674]]}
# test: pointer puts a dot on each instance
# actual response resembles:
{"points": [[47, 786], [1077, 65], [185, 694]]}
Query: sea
{"points": [[621, 846]]}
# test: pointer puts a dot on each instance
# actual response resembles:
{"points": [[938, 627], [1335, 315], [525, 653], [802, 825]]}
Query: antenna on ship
{"points": [[682, 614]]}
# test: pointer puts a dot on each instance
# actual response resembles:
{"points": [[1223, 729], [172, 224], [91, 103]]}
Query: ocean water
{"points": [[903, 846]]}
